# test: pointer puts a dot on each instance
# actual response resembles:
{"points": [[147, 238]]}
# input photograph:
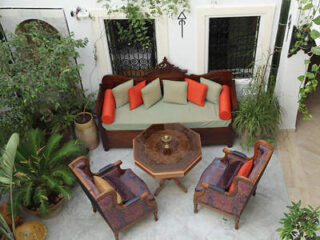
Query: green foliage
{"points": [[259, 114], [6, 173], [300, 223], [40, 84], [308, 81], [139, 13], [41, 173]]}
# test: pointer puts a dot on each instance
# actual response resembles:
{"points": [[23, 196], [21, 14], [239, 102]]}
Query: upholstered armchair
{"points": [[209, 191], [119, 216]]}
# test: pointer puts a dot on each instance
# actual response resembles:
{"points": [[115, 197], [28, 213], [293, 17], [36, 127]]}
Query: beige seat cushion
{"points": [[103, 186]]}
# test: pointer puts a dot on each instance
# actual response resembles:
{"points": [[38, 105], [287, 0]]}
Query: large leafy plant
{"points": [[300, 223], [259, 114], [308, 19], [6, 181], [42, 176], [39, 79], [139, 13]]}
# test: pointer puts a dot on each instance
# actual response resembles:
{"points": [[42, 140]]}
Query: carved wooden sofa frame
{"points": [[165, 70]]}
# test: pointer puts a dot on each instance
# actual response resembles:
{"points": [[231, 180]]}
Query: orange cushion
{"points": [[225, 103], [135, 97], [244, 171], [108, 108], [196, 92]]}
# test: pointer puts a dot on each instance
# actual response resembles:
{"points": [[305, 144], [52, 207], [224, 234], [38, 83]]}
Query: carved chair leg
{"points": [[236, 226], [116, 236], [155, 213], [254, 192], [195, 209], [93, 208]]}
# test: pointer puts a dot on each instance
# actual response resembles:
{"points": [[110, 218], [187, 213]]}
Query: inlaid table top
{"points": [[167, 150]]}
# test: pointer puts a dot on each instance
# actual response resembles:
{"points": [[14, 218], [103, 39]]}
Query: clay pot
{"points": [[31, 230], [5, 212], [54, 210], [86, 130]]}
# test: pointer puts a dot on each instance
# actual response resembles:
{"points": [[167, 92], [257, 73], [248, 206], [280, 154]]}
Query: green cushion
{"points": [[213, 91], [151, 93], [120, 93], [175, 91], [190, 115]]}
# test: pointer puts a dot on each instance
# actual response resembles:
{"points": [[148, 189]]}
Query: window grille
{"points": [[232, 44], [130, 59]]}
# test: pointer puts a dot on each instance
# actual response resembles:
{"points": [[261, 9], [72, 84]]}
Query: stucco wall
{"points": [[182, 52]]}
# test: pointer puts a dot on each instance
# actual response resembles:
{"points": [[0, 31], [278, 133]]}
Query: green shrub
{"points": [[300, 223], [259, 114], [38, 78]]}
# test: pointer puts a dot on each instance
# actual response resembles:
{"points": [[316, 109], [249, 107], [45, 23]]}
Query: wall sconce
{"points": [[80, 13]]}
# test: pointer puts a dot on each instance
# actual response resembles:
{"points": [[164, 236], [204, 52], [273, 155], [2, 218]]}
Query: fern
{"points": [[69, 149], [52, 144], [40, 198], [65, 173]]}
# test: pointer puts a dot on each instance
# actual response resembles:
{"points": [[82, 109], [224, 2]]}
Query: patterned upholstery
{"points": [[118, 216], [231, 204]]}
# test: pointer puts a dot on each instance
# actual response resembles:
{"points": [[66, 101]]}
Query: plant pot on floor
{"points": [[54, 209], [86, 130]]}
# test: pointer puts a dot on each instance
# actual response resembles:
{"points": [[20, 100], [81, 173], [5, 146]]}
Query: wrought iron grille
{"points": [[232, 44], [128, 59]]}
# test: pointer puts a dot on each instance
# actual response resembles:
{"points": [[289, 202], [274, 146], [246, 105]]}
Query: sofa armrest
{"points": [[233, 95], [99, 102]]}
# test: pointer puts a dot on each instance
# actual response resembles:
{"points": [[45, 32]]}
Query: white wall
{"points": [[182, 52], [287, 86]]}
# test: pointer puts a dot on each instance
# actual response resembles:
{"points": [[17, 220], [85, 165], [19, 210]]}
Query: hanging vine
{"points": [[140, 13], [304, 40]]}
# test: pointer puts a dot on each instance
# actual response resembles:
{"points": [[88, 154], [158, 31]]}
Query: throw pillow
{"points": [[135, 97], [108, 108], [151, 93], [196, 92], [175, 91], [244, 171], [213, 91], [103, 186], [120, 93], [225, 103]]}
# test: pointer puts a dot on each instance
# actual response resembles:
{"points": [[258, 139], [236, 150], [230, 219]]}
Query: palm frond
{"points": [[5, 229], [64, 191], [52, 182], [8, 158], [65, 173], [40, 198], [52, 144], [27, 194], [35, 140], [70, 148]]}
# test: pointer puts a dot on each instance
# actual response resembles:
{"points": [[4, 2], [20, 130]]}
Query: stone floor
{"points": [[176, 218]]}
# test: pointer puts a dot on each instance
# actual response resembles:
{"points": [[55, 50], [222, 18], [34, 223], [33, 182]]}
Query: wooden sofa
{"points": [[165, 70]]}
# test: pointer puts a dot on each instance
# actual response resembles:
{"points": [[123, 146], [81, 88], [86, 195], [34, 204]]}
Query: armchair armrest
{"points": [[109, 167], [136, 199], [212, 187], [232, 152]]}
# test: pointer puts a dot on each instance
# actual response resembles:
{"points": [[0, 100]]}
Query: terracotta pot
{"points": [[86, 131], [54, 210], [31, 230], [5, 212]]}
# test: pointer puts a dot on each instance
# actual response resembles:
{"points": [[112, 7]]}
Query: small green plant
{"points": [[38, 79], [6, 182], [304, 36], [259, 114], [300, 223], [139, 14], [41, 175]]}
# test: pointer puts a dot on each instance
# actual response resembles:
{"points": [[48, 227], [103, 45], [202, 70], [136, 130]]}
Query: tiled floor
{"points": [[176, 218], [299, 153]]}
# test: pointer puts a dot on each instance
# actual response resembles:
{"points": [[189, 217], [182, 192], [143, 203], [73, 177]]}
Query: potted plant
{"points": [[41, 176], [85, 127], [29, 229], [40, 84], [259, 114], [300, 223]]}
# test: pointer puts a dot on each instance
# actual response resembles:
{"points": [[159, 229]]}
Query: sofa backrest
{"points": [[262, 154]]}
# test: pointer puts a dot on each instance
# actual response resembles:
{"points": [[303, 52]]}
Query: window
{"points": [[232, 44], [129, 59]]}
